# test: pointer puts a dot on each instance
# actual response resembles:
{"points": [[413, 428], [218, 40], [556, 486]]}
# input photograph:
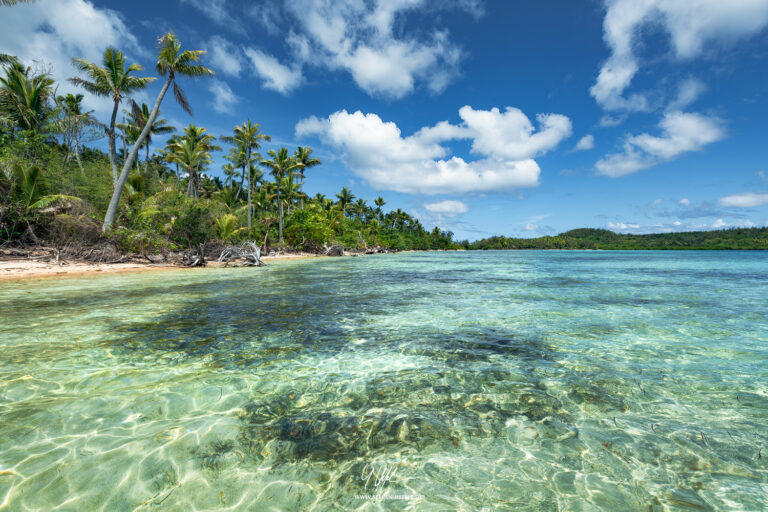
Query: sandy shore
{"points": [[16, 269]]}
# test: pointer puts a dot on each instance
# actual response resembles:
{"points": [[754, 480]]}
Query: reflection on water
{"points": [[504, 380]]}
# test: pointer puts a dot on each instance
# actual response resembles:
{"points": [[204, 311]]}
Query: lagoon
{"points": [[518, 380]]}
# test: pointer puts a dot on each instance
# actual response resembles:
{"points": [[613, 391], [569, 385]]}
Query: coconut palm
{"points": [[76, 127], [171, 61], [281, 165], [345, 198], [24, 96], [304, 157], [30, 189], [379, 202], [227, 227], [139, 116], [168, 153], [359, 208], [192, 151], [14, 2], [111, 79], [229, 171], [248, 139]]}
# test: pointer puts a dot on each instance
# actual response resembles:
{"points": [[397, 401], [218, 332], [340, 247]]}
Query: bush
{"points": [[307, 229]]}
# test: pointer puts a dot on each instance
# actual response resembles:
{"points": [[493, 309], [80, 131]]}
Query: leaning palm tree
{"points": [[248, 138], [14, 2], [171, 61], [113, 79], [281, 165], [304, 156]]}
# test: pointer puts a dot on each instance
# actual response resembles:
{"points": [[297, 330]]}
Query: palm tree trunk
{"points": [[250, 186], [109, 218], [301, 189], [280, 217], [112, 148], [77, 157], [242, 181]]}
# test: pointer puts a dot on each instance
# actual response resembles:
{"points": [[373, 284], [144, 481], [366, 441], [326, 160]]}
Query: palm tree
{"points": [[292, 193], [24, 96], [229, 171], [247, 136], [359, 208], [75, 125], [345, 198], [281, 164], [113, 79], [193, 152], [14, 2], [171, 61], [379, 202], [236, 159], [139, 116], [29, 188], [227, 227], [168, 153], [304, 157]]}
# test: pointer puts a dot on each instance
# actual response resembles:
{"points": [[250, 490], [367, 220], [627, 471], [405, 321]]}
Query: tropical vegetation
{"points": [[58, 186], [584, 238]]}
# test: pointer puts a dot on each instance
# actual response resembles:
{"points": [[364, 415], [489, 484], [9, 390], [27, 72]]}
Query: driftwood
{"points": [[246, 254], [335, 250], [194, 258]]}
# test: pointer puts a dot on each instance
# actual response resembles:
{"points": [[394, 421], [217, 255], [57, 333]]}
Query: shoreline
{"points": [[21, 269]]}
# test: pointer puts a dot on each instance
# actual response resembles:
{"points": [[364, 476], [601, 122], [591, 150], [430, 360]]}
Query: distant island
{"points": [[603, 239]]}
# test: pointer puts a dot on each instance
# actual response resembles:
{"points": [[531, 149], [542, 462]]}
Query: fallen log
{"points": [[246, 254]]}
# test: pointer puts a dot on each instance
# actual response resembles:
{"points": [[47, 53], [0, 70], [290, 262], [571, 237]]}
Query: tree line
{"points": [[56, 186], [603, 239]]}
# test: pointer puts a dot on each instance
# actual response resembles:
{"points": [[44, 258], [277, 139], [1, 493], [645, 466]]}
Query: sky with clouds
{"points": [[483, 117]]}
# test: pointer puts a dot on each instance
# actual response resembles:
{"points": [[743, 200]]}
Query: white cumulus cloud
{"points": [[685, 201], [226, 57], [223, 97], [50, 32], [368, 41], [277, 76], [507, 142], [585, 143], [748, 200], [447, 208], [682, 132], [690, 24]]}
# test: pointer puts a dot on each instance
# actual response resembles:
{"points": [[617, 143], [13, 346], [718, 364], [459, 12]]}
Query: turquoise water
{"points": [[423, 381]]}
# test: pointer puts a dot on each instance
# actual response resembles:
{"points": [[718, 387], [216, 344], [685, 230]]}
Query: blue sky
{"points": [[483, 117]]}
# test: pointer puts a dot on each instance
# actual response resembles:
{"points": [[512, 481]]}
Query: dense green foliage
{"points": [[55, 188], [739, 238]]}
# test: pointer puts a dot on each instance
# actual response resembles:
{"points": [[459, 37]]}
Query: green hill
{"points": [[586, 238]]}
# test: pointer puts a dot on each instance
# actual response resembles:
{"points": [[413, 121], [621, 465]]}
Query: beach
{"points": [[12, 269]]}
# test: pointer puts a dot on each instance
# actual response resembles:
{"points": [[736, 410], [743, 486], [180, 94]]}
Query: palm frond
{"points": [[181, 99], [46, 201]]}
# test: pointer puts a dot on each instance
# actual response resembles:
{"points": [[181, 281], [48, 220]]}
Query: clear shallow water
{"points": [[496, 380]]}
